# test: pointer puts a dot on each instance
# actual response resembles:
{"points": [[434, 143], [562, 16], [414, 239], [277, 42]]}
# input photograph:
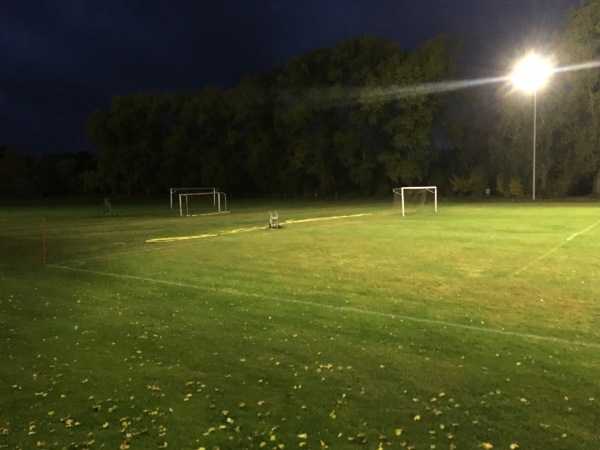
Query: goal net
{"points": [[202, 203], [414, 198]]}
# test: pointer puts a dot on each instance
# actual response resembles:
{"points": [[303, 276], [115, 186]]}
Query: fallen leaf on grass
{"points": [[69, 422]]}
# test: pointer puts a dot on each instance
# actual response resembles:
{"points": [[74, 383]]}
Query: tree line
{"points": [[67, 174], [359, 118], [319, 124]]}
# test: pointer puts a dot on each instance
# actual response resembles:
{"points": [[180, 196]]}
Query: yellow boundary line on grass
{"points": [[245, 230], [316, 219]]}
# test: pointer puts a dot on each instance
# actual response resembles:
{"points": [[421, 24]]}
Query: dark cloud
{"points": [[63, 59]]}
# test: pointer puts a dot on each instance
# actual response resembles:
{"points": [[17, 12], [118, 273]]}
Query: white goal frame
{"points": [[217, 196], [208, 190], [432, 189]]}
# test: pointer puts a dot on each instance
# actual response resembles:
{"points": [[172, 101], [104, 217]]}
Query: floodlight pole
{"points": [[529, 75], [534, 140]]}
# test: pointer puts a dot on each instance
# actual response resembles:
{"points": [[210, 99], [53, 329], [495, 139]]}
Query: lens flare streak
{"points": [[343, 96], [582, 66]]}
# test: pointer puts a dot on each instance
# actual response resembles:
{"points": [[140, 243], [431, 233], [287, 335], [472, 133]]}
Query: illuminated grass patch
{"points": [[475, 327]]}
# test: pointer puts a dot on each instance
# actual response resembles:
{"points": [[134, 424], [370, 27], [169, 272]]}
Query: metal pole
{"points": [[534, 139], [402, 196]]}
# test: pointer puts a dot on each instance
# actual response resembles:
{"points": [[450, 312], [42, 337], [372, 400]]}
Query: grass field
{"points": [[349, 327]]}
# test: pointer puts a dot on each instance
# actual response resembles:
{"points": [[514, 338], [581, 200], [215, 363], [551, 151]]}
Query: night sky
{"points": [[61, 59]]}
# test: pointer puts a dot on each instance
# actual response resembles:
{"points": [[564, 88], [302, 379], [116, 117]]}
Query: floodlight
{"points": [[531, 73]]}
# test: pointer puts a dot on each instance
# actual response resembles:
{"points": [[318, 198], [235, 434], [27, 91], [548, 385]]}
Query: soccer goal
{"points": [[415, 196], [207, 190], [202, 203]]}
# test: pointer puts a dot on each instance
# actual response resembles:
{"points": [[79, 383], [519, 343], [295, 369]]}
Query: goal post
{"points": [[190, 207], [402, 192]]}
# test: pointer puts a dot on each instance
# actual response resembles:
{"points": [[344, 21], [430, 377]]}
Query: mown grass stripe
{"points": [[340, 308]]}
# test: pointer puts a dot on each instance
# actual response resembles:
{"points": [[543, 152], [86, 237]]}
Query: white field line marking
{"points": [[574, 235], [552, 250], [339, 308], [245, 230]]}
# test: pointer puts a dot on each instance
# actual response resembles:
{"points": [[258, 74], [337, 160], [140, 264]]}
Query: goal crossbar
{"points": [[432, 189]]}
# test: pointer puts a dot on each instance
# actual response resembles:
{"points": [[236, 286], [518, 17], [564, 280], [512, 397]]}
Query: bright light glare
{"points": [[531, 73], [342, 96]]}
